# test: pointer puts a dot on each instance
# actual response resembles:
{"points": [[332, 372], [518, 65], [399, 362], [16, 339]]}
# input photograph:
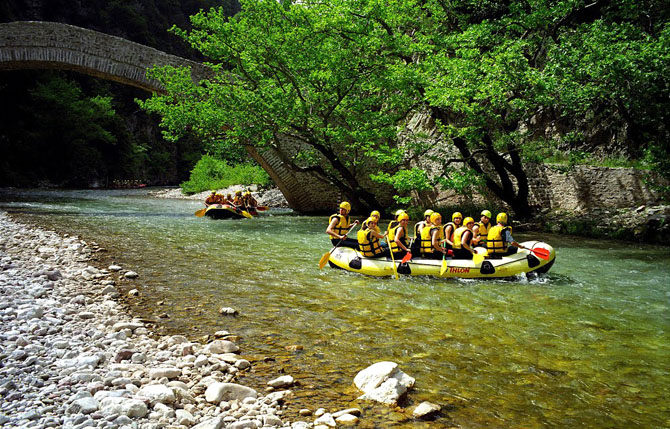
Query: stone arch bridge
{"points": [[51, 45]]}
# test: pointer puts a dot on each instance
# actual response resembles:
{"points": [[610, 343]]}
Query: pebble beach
{"points": [[71, 356]]}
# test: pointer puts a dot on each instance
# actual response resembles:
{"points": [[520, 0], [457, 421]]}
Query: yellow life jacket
{"points": [[392, 224], [368, 245], [342, 226], [427, 238], [458, 237], [392, 236], [420, 224], [453, 229], [495, 242], [484, 232]]}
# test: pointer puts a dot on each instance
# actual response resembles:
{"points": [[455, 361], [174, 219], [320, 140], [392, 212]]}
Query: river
{"points": [[586, 345]]}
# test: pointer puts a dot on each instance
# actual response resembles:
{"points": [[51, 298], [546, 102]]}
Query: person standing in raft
{"points": [[500, 241], [418, 227], [431, 237], [338, 226], [368, 240], [481, 229], [463, 240], [450, 228], [397, 237]]}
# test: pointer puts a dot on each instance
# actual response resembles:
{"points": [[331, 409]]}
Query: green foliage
{"points": [[211, 173]]}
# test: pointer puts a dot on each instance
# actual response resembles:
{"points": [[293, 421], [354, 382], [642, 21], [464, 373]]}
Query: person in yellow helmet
{"points": [[339, 226], [368, 240], [237, 201], [450, 228], [374, 214], [418, 227], [395, 222], [499, 241], [212, 199], [481, 229], [229, 199], [397, 237], [463, 248], [431, 238]]}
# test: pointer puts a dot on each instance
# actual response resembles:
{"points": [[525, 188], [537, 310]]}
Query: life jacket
{"points": [[484, 231], [453, 229], [495, 242], [342, 225], [427, 238], [212, 199], [237, 201], [458, 237], [367, 245], [392, 224], [420, 224], [392, 236]]}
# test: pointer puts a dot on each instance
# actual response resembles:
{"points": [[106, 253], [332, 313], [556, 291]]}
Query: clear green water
{"points": [[586, 345]]}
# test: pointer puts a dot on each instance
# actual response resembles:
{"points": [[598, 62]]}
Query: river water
{"points": [[586, 345]]}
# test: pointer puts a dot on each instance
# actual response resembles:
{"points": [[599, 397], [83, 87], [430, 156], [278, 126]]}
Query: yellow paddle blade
{"points": [[324, 260], [246, 214], [443, 268], [477, 258], [200, 213]]}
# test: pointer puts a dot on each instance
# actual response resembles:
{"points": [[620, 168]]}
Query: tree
{"points": [[310, 72], [342, 76]]}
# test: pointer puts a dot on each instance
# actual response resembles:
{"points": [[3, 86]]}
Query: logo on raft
{"points": [[459, 270]]}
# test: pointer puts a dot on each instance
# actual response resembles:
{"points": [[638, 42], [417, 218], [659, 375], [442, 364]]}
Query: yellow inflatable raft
{"points": [[524, 261]]}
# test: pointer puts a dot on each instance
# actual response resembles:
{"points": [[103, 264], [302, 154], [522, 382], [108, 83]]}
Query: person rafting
{"points": [[339, 226], [450, 228], [213, 199], [249, 201], [369, 240], [481, 229], [229, 199], [418, 227], [431, 237], [374, 214], [463, 237], [395, 221], [237, 200], [397, 237], [499, 241]]}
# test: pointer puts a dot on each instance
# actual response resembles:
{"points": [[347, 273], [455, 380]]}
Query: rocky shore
{"points": [[71, 357]]}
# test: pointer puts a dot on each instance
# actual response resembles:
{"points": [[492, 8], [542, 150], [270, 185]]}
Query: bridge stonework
{"points": [[52, 45]]}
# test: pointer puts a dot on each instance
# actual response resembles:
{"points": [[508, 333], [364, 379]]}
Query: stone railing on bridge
{"points": [[52, 45]]}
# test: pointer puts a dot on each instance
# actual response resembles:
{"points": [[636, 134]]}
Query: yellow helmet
{"points": [[213, 192], [238, 192], [399, 212], [403, 216], [428, 213], [370, 219], [502, 218], [376, 213], [455, 215], [486, 213], [467, 220], [345, 205], [435, 216]]}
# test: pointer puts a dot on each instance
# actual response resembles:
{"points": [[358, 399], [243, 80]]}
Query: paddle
{"points": [[326, 256], [478, 257], [261, 208], [201, 212], [408, 256], [541, 253], [395, 270], [246, 214], [443, 268]]}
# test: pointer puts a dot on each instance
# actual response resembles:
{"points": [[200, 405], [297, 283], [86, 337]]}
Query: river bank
{"points": [[72, 357]]}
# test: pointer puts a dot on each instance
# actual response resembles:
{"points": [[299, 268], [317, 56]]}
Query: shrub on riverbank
{"points": [[211, 173]]}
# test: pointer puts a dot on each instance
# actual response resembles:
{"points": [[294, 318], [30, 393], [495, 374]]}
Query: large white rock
{"points": [[327, 420], [124, 406], [425, 409], [215, 423], [185, 418], [169, 372], [221, 346], [157, 393], [283, 381], [383, 382], [217, 392]]}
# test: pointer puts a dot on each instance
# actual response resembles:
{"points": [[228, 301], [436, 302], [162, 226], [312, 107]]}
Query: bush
{"points": [[211, 173]]}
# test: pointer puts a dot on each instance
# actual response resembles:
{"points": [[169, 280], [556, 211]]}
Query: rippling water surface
{"points": [[586, 345]]}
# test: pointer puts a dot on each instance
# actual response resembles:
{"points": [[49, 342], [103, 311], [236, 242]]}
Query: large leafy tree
{"points": [[340, 76], [318, 73]]}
